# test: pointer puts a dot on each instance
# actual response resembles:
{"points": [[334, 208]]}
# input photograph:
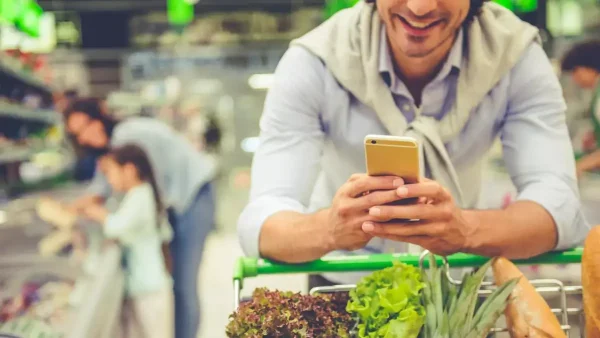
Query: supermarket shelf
{"points": [[30, 79], [22, 153], [15, 111], [16, 154]]}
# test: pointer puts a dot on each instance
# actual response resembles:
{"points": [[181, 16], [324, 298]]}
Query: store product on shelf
{"points": [[53, 212], [27, 328], [55, 242], [46, 301]]}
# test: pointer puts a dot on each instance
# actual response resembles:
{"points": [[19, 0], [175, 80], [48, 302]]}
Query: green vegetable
{"points": [[452, 311], [387, 303], [286, 314]]}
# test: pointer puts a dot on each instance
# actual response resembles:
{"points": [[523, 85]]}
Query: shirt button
{"points": [[406, 107]]}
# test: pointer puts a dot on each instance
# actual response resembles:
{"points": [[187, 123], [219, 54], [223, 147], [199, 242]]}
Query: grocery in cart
{"points": [[410, 295]]}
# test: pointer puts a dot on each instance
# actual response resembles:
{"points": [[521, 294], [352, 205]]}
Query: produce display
{"points": [[527, 313], [589, 277], [287, 314], [43, 306], [387, 303]]}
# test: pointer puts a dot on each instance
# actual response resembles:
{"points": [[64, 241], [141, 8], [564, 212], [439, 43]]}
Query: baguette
{"points": [[54, 213], [54, 242], [590, 272], [527, 314]]}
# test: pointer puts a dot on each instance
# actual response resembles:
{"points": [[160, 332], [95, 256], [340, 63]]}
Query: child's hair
{"points": [[137, 156]]}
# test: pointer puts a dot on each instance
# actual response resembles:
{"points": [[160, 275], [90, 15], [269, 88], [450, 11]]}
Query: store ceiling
{"points": [[146, 5]]}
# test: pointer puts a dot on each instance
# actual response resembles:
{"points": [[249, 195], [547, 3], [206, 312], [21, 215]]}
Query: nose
{"points": [[422, 7]]}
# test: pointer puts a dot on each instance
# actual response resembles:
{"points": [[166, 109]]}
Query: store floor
{"points": [[216, 287]]}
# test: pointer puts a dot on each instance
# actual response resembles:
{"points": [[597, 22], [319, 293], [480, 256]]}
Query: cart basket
{"points": [[252, 267]]}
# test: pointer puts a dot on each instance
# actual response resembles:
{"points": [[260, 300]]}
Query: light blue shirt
{"points": [[312, 132], [141, 235], [180, 170]]}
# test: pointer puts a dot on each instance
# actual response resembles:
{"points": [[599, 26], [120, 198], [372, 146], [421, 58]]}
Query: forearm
{"points": [[589, 162], [81, 203], [522, 230], [292, 237]]}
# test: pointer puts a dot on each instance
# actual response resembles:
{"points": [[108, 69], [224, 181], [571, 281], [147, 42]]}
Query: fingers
{"points": [[428, 189], [361, 183], [408, 229], [422, 211], [376, 198]]}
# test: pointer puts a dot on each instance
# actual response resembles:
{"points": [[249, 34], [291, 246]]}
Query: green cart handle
{"points": [[252, 267]]}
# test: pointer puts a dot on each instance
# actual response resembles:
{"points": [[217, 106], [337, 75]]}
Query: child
{"points": [[140, 226]]}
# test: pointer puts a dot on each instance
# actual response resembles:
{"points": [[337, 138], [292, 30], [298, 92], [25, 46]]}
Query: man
{"points": [[583, 62], [455, 74]]}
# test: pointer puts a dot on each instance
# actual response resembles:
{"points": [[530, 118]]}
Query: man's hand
{"points": [[350, 209], [441, 227]]}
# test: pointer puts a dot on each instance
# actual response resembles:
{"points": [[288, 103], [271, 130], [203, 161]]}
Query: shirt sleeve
{"points": [[537, 147], [130, 217], [287, 161]]}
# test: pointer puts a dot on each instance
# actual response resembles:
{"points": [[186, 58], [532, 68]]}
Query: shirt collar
{"points": [[386, 65]]}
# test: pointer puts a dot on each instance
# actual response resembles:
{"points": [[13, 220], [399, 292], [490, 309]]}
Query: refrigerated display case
{"points": [[66, 295]]}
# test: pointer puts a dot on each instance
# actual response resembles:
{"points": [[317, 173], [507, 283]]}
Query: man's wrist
{"points": [[479, 239], [322, 219], [473, 224]]}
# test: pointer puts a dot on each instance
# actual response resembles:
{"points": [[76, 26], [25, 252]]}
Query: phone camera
{"points": [[373, 142]]}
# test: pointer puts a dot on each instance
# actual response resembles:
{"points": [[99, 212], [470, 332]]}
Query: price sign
{"points": [[23, 14]]}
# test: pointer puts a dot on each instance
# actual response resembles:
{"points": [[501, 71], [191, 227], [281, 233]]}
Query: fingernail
{"points": [[402, 191], [368, 227], [398, 182], [374, 211]]}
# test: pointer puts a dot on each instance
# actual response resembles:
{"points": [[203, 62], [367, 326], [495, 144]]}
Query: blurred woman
{"points": [[583, 62], [183, 177], [140, 226]]}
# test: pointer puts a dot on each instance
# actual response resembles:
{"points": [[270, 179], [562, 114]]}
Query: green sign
{"points": [[180, 12], [23, 14], [29, 20], [334, 6], [519, 6]]}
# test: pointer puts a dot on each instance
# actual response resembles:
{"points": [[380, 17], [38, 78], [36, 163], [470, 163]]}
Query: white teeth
{"points": [[418, 24]]}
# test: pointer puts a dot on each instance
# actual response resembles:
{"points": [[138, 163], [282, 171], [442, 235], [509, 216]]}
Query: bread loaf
{"points": [[54, 243], [590, 272], [527, 314], [54, 213]]}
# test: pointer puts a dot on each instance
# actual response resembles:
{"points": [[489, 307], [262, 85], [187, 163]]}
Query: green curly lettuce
{"points": [[387, 303]]}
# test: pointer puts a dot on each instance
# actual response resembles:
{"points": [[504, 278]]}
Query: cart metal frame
{"points": [[252, 267]]}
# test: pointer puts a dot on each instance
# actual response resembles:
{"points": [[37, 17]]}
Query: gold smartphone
{"points": [[393, 156]]}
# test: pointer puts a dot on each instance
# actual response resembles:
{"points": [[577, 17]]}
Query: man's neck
{"points": [[417, 72]]}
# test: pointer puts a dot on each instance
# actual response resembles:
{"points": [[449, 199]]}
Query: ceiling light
{"points": [[261, 81]]}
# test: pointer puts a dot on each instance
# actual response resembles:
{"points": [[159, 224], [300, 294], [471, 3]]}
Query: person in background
{"points": [[86, 158], [454, 74], [140, 225], [583, 62], [184, 177]]}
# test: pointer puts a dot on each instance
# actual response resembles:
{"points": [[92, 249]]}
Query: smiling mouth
{"points": [[418, 25]]}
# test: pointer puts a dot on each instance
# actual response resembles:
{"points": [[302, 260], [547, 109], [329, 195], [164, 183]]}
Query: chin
{"points": [[419, 51]]}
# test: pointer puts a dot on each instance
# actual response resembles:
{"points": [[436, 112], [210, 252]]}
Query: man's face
{"points": [[418, 28]]}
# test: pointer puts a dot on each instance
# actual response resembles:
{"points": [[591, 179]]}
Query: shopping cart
{"points": [[549, 288]]}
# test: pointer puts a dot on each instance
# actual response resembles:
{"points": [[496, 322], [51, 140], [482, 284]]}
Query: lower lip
{"points": [[417, 31]]}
